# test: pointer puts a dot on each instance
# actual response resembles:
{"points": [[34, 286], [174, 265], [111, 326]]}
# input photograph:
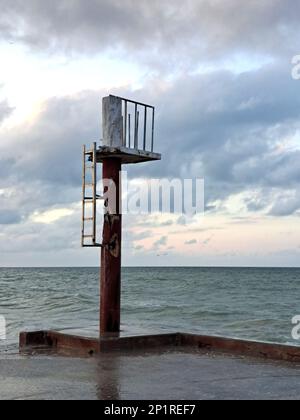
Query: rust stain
{"points": [[111, 256], [114, 246]]}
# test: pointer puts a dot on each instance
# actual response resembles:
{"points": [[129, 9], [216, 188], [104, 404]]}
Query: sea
{"points": [[248, 303]]}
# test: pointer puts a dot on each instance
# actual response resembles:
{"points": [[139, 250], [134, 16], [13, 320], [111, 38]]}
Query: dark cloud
{"points": [[186, 30]]}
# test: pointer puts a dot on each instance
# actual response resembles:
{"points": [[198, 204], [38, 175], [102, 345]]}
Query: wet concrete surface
{"points": [[182, 375]]}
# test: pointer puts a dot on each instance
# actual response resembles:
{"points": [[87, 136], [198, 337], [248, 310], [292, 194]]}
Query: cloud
{"points": [[167, 223], [5, 110], [207, 241], [286, 204], [9, 217], [229, 113], [235, 148], [49, 148], [188, 31], [182, 221], [32, 237], [141, 235], [240, 132], [51, 216], [191, 242], [161, 242], [139, 248]]}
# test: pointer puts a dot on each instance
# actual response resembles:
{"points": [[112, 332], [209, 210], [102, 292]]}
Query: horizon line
{"points": [[156, 266]]}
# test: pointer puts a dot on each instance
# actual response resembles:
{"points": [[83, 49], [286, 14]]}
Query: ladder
{"points": [[89, 198]]}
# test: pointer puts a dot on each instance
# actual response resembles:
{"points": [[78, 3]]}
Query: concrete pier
{"points": [[158, 374]]}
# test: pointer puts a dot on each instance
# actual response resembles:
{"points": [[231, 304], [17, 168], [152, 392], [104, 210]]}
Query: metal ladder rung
{"points": [[88, 236], [89, 184], [96, 245], [89, 219], [98, 197]]}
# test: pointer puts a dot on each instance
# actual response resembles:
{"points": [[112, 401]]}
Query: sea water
{"points": [[247, 303]]}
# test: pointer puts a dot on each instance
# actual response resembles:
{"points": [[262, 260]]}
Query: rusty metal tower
{"points": [[128, 138]]}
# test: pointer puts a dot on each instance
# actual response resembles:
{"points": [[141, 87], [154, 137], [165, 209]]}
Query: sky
{"points": [[220, 75]]}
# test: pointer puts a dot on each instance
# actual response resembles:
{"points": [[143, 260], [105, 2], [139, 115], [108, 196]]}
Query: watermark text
{"points": [[296, 329], [2, 328], [296, 67]]}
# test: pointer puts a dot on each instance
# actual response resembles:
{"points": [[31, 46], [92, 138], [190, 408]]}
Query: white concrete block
{"points": [[112, 122]]}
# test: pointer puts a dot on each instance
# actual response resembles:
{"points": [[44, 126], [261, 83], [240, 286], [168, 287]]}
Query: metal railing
{"points": [[138, 125]]}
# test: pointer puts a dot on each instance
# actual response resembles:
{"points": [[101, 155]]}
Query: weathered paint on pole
{"points": [[112, 121], [110, 305]]}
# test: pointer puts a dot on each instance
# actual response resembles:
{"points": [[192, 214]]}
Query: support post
{"points": [[110, 290], [110, 305]]}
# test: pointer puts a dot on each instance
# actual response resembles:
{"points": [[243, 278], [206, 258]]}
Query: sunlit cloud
{"points": [[51, 216]]}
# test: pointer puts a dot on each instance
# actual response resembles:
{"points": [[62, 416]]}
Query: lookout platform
{"points": [[125, 155]]}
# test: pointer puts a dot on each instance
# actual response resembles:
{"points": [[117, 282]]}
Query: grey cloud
{"points": [[187, 30], [222, 126], [207, 241], [5, 110], [286, 205], [154, 222], [139, 248], [161, 242], [235, 148], [167, 223], [242, 221], [258, 201], [9, 217], [196, 230], [142, 235], [37, 237], [191, 242], [29, 197], [49, 149], [199, 114], [278, 202], [182, 221]]}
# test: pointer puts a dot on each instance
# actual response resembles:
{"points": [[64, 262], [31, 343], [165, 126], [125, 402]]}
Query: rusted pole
{"points": [[110, 305]]}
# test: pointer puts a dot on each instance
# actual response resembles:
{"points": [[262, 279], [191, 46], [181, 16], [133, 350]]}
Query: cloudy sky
{"points": [[219, 73]]}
